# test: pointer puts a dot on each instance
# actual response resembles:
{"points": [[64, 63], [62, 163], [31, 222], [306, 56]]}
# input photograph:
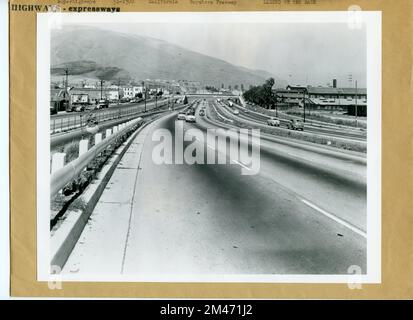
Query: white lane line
{"points": [[234, 161], [239, 163], [210, 147], [336, 219]]}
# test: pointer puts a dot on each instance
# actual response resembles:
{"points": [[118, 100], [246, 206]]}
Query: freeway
{"points": [[325, 129], [304, 212]]}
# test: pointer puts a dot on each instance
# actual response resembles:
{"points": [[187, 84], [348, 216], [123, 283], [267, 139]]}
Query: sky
{"points": [[305, 53]]}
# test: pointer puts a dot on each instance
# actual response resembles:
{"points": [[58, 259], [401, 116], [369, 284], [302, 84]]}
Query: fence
{"points": [[68, 122], [63, 174]]}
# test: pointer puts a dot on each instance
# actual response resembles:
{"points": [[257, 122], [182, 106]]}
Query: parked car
{"points": [[102, 104], [190, 118], [273, 122], [78, 108], [202, 112], [295, 125]]}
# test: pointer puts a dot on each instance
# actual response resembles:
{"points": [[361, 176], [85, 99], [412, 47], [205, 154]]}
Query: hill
{"points": [[108, 55]]}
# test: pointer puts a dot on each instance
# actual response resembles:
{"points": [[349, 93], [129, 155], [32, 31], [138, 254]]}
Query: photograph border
{"points": [[372, 21], [397, 156]]}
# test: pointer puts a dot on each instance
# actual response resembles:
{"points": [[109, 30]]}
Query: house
{"points": [[58, 99], [136, 90], [94, 94]]}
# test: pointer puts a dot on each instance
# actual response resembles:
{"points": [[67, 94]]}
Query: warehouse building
{"points": [[324, 98]]}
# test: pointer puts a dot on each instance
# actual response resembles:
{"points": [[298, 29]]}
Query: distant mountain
{"points": [[90, 69], [101, 54]]}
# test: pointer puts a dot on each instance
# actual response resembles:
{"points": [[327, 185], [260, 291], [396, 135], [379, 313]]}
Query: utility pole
{"points": [[66, 84], [356, 105], [118, 91], [156, 99], [144, 92], [101, 89], [304, 105]]}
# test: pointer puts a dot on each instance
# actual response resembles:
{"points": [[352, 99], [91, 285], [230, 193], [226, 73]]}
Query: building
{"points": [[136, 90], [336, 93], [128, 92], [345, 99], [58, 99], [324, 98], [94, 94], [289, 97], [296, 88]]}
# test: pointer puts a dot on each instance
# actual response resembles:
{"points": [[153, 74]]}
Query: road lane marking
{"points": [[234, 161], [336, 219], [242, 165], [210, 147]]}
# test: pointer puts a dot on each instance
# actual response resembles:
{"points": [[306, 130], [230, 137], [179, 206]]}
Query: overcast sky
{"points": [[298, 53]]}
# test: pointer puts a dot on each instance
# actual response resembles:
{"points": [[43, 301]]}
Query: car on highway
{"points": [[273, 122], [190, 111], [190, 118], [181, 116], [295, 124], [202, 112], [236, 111]]}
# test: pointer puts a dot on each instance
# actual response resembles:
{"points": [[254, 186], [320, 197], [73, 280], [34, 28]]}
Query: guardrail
{"points": [[57, 140], [61, 177]]}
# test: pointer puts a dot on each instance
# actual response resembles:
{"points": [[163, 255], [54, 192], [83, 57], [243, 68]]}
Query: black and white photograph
{"points": [[222, 147]]}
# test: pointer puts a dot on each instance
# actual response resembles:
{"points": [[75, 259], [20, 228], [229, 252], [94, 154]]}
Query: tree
{"points": [[262, 95]]}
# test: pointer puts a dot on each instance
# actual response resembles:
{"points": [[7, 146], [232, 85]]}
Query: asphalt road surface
{"points": [[326, 130], [303, 213]]}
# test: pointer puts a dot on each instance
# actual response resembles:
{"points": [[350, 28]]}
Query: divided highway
{"points": [[324, 129], [303, 213]]}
